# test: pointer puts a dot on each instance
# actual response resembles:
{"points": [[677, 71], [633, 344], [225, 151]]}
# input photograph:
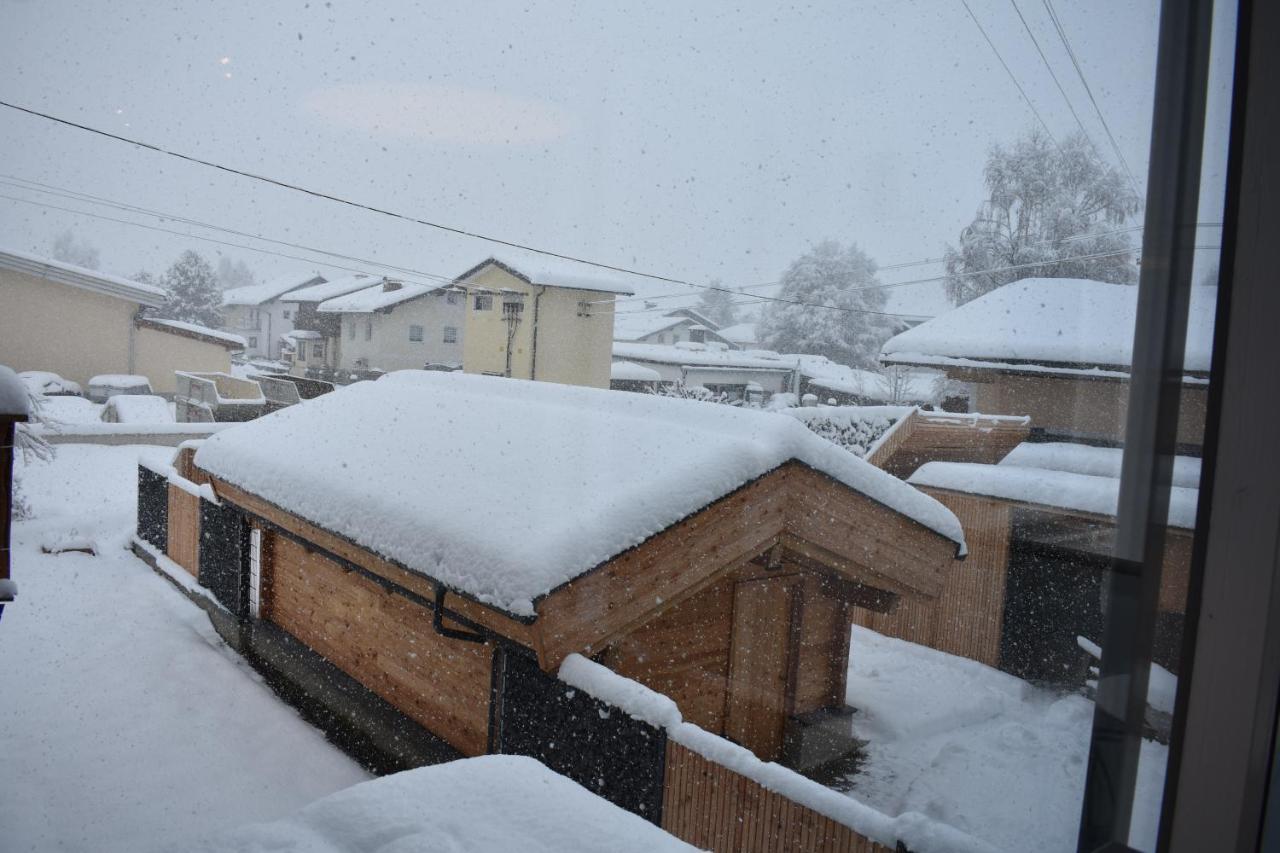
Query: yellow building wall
{"points": [[159, 354], [73, 332], [571, 349]]}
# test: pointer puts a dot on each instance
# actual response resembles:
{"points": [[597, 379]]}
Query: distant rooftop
{"points": [[374, 298], [553, 272], [333, 289], [82, 277], [1047, 325], [633, 327], [702, 356], [195, 330], [257, 294]]}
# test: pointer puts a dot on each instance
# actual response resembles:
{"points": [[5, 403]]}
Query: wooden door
{"points": [[759, 664]]}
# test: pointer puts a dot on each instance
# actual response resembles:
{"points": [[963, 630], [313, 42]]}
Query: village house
{"points": [[715, 367], [81, 323], [311, 346], [1059, 350], [741, 335], [395, 326], [552, 322], [670, 328], [257, 313]]}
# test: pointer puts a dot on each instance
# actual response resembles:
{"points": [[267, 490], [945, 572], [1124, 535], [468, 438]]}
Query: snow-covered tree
{"points": [[234, 274], [1057, 207], [718, 305], [32, 447], [72, 250], [193, 291], [829, 275]]}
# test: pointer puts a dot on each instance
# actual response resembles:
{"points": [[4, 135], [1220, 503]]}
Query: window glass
{"points": [[483, 301], [450, 334], [415, 333]]}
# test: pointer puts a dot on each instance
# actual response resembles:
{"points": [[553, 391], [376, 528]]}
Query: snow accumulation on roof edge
{"points": [[448, 487]]}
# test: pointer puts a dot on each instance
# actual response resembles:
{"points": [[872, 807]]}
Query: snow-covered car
{"points": [[49, 383], [108, 385], [137, 409]]}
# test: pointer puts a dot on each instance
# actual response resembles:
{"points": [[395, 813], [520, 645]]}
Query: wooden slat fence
{"points": [[936, 436], [714, 808]]}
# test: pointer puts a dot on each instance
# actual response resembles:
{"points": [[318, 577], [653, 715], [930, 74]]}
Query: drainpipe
{"points": [[133, 327], [533, 365]]}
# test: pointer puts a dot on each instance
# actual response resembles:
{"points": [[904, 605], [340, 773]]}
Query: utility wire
{"points": [[1066, 42], [1009, 71]]}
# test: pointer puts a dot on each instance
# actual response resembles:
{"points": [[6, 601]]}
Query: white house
{"points": [[714, 367], [258, 314], [397, 326], [679, 326]]}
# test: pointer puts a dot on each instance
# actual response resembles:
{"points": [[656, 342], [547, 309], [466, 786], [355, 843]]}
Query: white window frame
{"points": [[255, 572]]}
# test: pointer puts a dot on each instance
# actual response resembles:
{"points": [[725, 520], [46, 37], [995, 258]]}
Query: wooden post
{"points": [[7, 428]]}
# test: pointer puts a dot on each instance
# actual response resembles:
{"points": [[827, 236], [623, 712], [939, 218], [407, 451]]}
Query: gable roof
{"points": [[696, 316], [333, 289], [257, 294], [605, 471], [740, 333], [374, 298], [633, 327], [85, 279], [697, 355], [1066, 326], [553, 272]]}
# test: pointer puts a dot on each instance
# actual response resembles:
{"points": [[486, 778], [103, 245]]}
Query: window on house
{"points": [[253, 343], [368, 330], [483, 301], [698, 336], [450, 334], [302, 350], [451, 297], [317, 350], [415, 333], [286, 313]]}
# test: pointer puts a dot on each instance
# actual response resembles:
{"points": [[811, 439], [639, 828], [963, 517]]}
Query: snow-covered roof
{"points": [[914, 387], [14, 399], [633, 327], [373, 298], [257, 294], [1062, 489], [1047, 325], [740, 333], [301, 335], [553, 272], [492, 802], [449, 489], [632, 372], [86, 279], [120, 380], [195, 330], [332, 289], [699, 355], [1099, 461]]}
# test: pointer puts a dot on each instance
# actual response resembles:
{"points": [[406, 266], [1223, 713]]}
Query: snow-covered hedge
{"points": [[858, 429]]}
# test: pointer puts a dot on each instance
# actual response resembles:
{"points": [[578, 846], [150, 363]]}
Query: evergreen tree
{"points": [[71, 250], [829, 275], [193, 291], [717, 305], [234, 274], [1056, 207]]}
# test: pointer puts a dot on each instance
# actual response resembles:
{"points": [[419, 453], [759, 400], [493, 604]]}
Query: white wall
{"points": [[382, 341], [263, 331]]}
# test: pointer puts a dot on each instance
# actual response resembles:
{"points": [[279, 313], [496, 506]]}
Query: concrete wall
{"points": [[73, 332], [159, 354], [382, 340], [1081, 407]]}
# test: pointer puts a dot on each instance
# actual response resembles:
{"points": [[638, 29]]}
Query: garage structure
{"points": [[716, 560]]}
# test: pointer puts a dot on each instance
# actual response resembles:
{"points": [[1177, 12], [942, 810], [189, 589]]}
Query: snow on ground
{"points": [[125, 722], [70, 410], [979, 749], [491, 803]]}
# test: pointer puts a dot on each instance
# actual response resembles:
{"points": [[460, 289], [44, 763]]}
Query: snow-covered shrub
{"points": [[32, 447], [855, 428]]}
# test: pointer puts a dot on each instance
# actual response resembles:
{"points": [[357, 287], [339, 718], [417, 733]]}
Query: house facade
{"points": [[1060, 351], [714, 367], [80, 323], [398, 326], [311, 346], [258, 314], [528, 320], [672, 328]]}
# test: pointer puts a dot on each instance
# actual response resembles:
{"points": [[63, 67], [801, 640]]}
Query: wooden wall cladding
{"points": [[183, 541], [384, 641], [966, 617], [714, 808]]}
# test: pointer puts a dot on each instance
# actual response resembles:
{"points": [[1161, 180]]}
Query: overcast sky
{"points": [[695, 140]]}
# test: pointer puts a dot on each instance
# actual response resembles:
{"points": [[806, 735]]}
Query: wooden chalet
{"points": [[735, 604]]}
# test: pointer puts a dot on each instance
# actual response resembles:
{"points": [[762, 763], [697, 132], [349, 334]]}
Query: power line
{"points": [[1008, 71], [1066, 42], [76, 195]]}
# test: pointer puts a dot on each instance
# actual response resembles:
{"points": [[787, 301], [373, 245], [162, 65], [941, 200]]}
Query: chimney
{"points": [[388, 285]]}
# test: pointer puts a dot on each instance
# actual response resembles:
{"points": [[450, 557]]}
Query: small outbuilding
{"points": [[420, 531]]}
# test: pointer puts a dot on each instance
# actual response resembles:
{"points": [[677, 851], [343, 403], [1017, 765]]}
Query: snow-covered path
{"points": [[988, 753], [125, 722]]}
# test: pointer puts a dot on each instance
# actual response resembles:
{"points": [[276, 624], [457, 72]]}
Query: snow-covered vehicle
{"points": [[137, 409], [107, 385], [282, 390], [49, 383], [216, 397]]}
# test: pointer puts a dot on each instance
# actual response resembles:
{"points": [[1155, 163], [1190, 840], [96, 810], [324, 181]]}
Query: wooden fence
{"points": [[184, 529], [714, 808], [937, 436]]}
